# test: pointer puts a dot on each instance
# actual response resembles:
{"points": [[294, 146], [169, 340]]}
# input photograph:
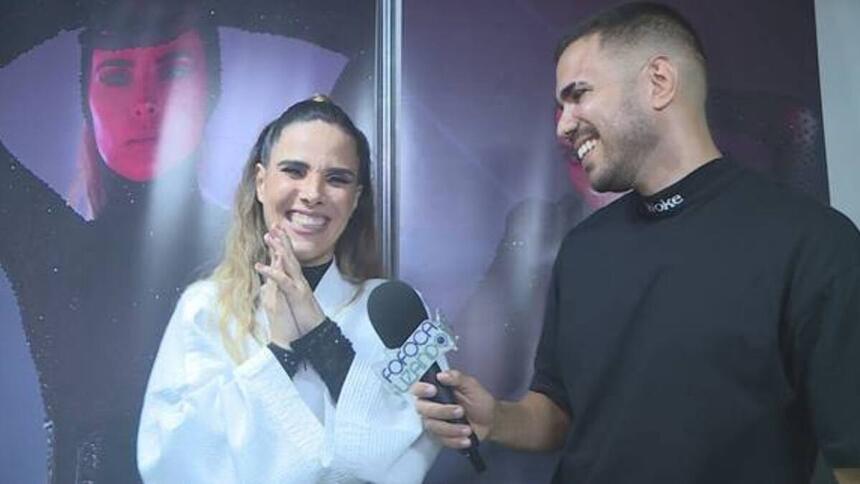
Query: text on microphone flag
{"points": [[405, 365]]}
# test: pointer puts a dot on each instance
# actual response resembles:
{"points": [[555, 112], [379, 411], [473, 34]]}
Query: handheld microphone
{"points": [[397, 313]]}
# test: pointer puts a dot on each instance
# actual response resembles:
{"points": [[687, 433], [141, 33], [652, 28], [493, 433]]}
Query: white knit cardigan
{"points": [[206, 419]]}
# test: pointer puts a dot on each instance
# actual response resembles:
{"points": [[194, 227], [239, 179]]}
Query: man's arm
{"points": [[534, 423]]}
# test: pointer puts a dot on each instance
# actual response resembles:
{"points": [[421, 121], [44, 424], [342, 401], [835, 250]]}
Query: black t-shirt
{"points": [[707, 334]]}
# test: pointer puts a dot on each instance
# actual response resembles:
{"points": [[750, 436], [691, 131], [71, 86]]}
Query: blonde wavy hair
{"points": [[356, 250]]}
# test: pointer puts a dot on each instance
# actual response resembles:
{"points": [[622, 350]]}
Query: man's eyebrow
{"points": [[568, 90], [115, 63]]}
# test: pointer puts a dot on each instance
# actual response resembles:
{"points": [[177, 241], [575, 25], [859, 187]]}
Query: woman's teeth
{"points": [[306, 221]]}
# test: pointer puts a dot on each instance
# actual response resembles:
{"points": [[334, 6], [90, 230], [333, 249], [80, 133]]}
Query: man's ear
{"points": [[259, 180], [662, 76]]}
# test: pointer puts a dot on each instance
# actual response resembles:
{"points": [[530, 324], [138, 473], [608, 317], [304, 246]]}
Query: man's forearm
{"points": [[534, 423]]}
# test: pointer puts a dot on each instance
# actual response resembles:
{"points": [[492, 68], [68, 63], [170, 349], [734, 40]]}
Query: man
{"points": [[704, 327]]}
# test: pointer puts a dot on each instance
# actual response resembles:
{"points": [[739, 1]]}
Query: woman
{"points": [[95, 295], [254, 380], [147, 90]]}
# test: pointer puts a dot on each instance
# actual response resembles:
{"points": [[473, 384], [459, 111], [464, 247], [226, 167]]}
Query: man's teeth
{"points": [[307, 220], [585, 148]]}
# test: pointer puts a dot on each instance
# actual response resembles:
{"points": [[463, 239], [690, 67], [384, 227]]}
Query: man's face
{"points": [[602, 119], [149, 105]]}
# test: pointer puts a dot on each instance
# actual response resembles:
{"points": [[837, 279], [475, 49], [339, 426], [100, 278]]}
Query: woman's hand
{"points": [[286, 272], [283, 328]]}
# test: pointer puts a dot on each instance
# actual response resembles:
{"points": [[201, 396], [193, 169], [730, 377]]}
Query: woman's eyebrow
{"points": [[341, 171], [115, 63], [292, 162], [174, 56]]}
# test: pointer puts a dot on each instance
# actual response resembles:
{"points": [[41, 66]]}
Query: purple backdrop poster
{"points": [[124, 126]]}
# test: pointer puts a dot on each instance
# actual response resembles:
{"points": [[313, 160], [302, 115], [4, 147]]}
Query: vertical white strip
{"points": [[838, 31], [389, 31]]}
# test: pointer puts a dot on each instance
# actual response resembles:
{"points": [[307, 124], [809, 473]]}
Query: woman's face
{"points": [[310, 187], [149, 105]]}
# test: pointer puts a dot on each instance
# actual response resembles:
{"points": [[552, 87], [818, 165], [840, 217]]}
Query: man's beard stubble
{"points": [[630, 143]]}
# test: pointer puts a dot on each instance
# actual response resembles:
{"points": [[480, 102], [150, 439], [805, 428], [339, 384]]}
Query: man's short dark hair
{"points": [[629, 24]]}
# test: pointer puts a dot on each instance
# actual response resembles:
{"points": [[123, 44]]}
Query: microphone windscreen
{"points": [[395, 310]]}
